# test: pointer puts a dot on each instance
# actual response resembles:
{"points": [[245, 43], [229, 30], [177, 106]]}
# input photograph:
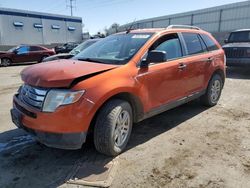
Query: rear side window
{"points": [[204, 46], [193, 43], [209, 43], [35, 48]]}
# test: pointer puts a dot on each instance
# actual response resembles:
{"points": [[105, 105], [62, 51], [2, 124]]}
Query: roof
{"points": [[147, 30], [159, 30], [239, 30], [33, 14]]}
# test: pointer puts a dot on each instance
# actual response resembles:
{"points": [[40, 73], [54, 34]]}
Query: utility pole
{"points": [[71, 6]]}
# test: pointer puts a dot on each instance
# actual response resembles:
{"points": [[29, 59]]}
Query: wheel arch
{"points": [[219, 72], [134, 101], [6, 58], [43, 56]]}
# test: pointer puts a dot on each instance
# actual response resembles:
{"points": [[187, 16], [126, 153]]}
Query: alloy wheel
{"points": [[122, 128], [215, 91], [5, 62]]}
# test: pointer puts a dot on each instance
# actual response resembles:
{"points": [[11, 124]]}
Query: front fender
{"points": [[97, 104]]}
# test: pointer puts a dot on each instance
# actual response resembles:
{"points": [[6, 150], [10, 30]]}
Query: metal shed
{"points": [[218, 20]]}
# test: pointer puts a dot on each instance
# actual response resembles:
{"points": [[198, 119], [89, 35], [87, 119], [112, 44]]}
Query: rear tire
{"points": [[5, 62], [113, 127], [213, 93], [43, 57]]}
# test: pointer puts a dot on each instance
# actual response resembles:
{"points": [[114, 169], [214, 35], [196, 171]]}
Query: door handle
{"points": [[182, 66], [210, 60]]}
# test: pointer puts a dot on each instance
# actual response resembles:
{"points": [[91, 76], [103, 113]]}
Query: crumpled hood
{"points": [[60, 73], [237, 45]]}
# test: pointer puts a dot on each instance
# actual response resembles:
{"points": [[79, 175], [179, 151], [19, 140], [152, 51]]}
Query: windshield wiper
{"points": [[90, 60]]}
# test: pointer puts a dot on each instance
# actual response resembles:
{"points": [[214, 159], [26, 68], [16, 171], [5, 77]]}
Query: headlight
{"points": [[56, 98]]}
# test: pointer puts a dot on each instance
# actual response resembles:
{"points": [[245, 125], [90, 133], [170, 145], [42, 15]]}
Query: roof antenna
{"points": [[130, 27]]}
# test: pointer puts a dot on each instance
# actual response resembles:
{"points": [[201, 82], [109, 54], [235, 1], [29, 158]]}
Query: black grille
{"points": [[26, 112], [32, 96], [236, 52]]}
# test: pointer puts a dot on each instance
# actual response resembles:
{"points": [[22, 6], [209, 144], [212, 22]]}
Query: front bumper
{"points": [[66, 128], [66, 119], [69, 141], [238, 62]]}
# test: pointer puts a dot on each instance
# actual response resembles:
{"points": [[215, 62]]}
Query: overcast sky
{"points": [[98, 14]]}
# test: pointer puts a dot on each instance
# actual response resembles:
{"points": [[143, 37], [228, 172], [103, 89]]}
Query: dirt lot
{"points": [[190, 146]]}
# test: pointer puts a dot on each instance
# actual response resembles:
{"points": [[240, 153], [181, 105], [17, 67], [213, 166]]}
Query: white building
{"points": [[27, 27]]}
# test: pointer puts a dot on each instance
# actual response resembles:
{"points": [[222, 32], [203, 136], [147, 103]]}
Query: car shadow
{"points": [[238, 73], [21, 64], [25, 163], [164, 122]]}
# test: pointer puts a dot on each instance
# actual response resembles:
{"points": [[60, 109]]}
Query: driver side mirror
{"points": [[226, 41], [154, 56], [15, 51]]}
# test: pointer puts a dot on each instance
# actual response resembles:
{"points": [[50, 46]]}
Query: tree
{"points": [[114, 28]]}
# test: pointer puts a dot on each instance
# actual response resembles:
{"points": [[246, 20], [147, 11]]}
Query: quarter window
{"points": [[193, 43], [209, 43]]}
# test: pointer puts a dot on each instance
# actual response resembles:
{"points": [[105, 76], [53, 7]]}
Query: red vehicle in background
{"points": [[23, 54]]}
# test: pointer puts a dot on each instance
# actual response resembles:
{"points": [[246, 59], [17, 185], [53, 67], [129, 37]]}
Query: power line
{"points": [[53, 7], [71, 6], [105, 3]]}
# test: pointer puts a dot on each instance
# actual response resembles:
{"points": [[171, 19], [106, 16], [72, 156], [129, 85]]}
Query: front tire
{"points": [[213, 92], [5, 62], [113, 127]]}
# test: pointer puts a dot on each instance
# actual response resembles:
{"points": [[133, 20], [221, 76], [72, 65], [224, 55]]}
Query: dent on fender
{"points": [[88, 104]]}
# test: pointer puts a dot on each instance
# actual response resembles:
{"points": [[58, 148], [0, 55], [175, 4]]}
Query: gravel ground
{"points": [[190, 146]]}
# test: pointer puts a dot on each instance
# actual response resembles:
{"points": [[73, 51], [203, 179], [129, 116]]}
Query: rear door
{"points": [[215, 56], [196, 61], [36, 53]]}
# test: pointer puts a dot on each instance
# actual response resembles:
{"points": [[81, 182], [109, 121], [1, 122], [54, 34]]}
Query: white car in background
{"points": [[73, 52]]}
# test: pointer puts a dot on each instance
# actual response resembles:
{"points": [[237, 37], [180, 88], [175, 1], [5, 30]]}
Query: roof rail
{"points": [[183, 27]]}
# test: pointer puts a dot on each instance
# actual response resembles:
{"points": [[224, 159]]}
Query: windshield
{"points": [[115, 49], [13, 49], [242, 36], [82, 46]]}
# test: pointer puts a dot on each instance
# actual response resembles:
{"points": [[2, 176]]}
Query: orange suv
{"points": [[120, 80]]}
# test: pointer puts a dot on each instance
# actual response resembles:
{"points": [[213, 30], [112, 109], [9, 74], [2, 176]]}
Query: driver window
{"points": [[170, 44], [23, 50]]}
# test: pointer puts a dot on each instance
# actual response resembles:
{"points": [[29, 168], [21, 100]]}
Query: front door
{"points": [[163, 82], [21, 55]]}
